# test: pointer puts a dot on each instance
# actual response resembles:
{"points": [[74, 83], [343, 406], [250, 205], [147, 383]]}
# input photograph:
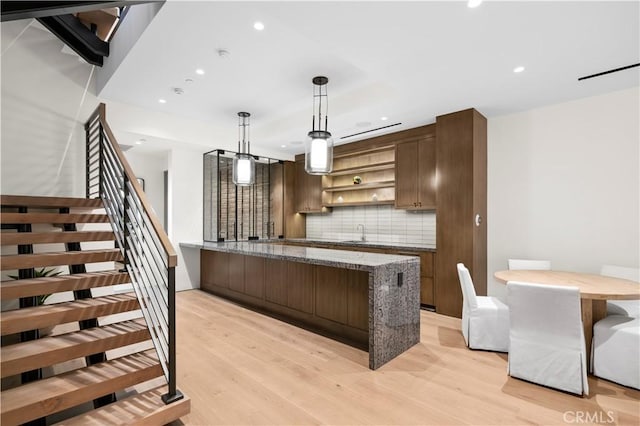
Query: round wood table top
{"points": [[591, 286]]}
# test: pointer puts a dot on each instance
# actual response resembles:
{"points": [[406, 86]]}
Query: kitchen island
{"points": [[369, 300]]}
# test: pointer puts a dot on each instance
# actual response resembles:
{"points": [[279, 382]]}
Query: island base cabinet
{"points": [[331, 301], [342, 296]]}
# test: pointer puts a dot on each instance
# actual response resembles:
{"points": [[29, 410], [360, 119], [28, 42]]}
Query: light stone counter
{"points": [[394, 289]]}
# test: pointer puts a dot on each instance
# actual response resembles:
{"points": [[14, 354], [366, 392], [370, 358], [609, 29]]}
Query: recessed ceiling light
{"points": [[384, 118], [258, 26], [474, 3], [283, 146], [200, 71], [162, 101], [518, 69], [139, 141]]}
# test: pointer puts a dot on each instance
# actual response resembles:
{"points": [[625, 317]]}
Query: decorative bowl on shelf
{"points": [[357, 180]]}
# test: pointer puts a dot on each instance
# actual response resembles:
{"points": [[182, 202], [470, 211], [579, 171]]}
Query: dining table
{"points": [[595, 290]]}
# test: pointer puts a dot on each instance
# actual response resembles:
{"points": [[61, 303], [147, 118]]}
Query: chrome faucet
{"points": [[358, 226]]}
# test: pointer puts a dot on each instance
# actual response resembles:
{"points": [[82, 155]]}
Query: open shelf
{"points": [[361, 186], [360, 203], [365, 151], [363, 169]]}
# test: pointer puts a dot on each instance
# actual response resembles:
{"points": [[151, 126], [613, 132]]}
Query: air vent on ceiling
{"points": [[369, 131], [608, 72], [125, 147]]}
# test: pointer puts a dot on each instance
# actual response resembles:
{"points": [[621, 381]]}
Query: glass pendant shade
{"points": [[243, 162], [243, 169], [318, 151]]}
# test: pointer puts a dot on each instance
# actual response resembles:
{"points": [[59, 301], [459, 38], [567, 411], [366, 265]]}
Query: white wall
{"points": [[44, 106], [185, 213], [150, 167], [563, 184]]}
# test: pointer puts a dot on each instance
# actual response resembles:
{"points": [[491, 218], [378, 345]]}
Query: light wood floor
{"points": [[242, 368]]}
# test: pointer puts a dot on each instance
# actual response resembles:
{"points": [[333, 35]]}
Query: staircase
{"points": [[100, 355]]}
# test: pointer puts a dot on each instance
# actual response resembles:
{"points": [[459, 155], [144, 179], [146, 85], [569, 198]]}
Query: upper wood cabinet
{"points": [[308, 190], [285, 222], [415, 174], [461, 228]]}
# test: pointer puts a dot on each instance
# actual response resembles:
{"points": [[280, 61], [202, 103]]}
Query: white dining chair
{"points": [[629, 308], [532, 265], [616, 350], [485, 319], [546, 338]]}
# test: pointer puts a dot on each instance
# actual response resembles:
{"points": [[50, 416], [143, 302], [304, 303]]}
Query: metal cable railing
{"points": [[149, 257]]}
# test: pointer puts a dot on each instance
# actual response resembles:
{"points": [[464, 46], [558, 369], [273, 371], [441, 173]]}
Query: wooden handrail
{"points": [[172, 258]]}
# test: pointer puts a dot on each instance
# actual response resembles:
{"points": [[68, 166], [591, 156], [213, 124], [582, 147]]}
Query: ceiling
{"points": [[407, 61]]}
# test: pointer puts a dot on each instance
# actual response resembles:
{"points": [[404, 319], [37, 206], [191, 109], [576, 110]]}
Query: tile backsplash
{"points": [[382, 224]]}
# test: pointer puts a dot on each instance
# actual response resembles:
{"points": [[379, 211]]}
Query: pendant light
{"points": [[243, 162], [318, 151]]}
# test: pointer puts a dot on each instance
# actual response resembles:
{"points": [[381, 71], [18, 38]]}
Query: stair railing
{"points": [[149, 257]]}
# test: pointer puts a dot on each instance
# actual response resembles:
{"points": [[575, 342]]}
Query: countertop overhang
{"points": [[362, 261]]}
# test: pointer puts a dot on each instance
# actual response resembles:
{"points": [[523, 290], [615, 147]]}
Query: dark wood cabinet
{"points": [[217, 274], [461, 228], [285, 222], [275, 281], [415, 174], [300, 280], [308, 190], [254, 272], [236, 272], [331, 293], [331, 300]]}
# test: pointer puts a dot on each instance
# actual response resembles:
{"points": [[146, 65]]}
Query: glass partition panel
{"points": [[241, 213]]}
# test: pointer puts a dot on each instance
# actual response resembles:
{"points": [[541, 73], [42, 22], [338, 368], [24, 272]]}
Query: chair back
{"points": [[546, 338], [532, 265], [468, 290], [623, 272], [549, 314]]}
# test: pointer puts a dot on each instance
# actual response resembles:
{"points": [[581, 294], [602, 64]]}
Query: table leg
{"points": [[592, 312]]}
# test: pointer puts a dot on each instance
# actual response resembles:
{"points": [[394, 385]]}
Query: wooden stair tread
{"points": [[53, 202], [36, 260], [14, 289], [14, 238], [52, 350], [43, 397], [54, 218], [46, 315], [144, 408]]}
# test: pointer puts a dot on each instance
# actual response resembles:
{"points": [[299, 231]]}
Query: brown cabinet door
{"points": [[236, 272], [462, 193], [275, 281], [276, 188], [358, 300], [331, 293], [406, 175], [301, 202], [426, 175], [426, 291], [254, 276], [214, 269], [300, 286], [308, 190]]}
